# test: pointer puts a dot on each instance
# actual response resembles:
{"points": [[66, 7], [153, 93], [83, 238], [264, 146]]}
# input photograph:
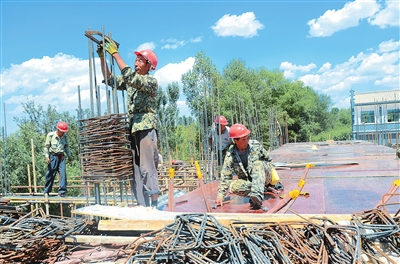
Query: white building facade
{"points": [[376, 116]]}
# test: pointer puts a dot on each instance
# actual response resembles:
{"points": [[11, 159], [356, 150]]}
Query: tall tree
{"points": [[167, 111], [198, 86]]}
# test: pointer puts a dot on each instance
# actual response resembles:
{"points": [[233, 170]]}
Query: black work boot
{"points": [[255, 203]]}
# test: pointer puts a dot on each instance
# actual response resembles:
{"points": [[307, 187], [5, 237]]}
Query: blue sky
{"points": [[332, 46]]}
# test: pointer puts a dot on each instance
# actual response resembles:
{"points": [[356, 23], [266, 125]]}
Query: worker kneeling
{"points": [[250, 161]]}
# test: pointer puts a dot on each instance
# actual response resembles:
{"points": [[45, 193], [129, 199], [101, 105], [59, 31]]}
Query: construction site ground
{"points": [[348, 177], [349, 181]]}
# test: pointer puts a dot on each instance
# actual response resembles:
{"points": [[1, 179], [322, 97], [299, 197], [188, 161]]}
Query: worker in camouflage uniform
{"points": [[141, 88], [250, 161]]}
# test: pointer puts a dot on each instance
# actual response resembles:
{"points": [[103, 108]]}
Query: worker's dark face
{"points": [[142, 66], [222, 127], [242, 142], [59, 133]]}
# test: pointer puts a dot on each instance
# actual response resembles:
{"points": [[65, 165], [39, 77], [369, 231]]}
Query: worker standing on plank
{"points": [[250, 161], [55, 148], [141, 88]]}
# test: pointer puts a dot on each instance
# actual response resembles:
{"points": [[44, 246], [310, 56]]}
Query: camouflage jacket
{"points": [[142, 92], [232, 165]]}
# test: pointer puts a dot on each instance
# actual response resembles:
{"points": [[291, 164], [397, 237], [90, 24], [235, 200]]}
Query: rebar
{"points": [[105, 152]]}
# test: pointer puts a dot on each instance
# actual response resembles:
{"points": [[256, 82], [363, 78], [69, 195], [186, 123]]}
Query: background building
{"points": [[376, 116]]}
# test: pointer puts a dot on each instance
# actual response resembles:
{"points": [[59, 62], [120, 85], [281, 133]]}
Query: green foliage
{"points": [[198, 85], [339, 127], [31, 135], [257, 97], [167, 111]]}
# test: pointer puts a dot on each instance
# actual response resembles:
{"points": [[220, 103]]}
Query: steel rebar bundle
{"points": [[104, 148], [38, 239], [199, 238]]}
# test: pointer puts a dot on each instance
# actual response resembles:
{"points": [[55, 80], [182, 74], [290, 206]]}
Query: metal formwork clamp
{"points": [[90, 34]]}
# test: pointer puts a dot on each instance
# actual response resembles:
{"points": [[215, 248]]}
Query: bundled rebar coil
{"points": [[104, 148]]}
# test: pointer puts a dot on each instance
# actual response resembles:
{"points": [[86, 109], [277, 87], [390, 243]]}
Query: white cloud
{"points": [[343, 102], [388, 16], [54, 81], [302, 68], [389, 81], [349, 16], [174, 43], [382, 64], [172, 72], [364, 69], [60, 73], [49, 80], [289, 69], [388, 46], [143, 46], [195, 40], [244, 25], [326, 67]]}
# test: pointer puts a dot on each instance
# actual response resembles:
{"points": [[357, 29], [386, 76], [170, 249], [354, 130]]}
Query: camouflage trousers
{"points": [[260, 177]]}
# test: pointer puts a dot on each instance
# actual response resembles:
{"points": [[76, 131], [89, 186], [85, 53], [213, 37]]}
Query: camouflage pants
{"points": [[260, 176]]}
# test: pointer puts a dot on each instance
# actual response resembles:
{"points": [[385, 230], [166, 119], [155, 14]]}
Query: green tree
{"points": [[339, 125], [168, 114], [32, 132], [198, 87]]}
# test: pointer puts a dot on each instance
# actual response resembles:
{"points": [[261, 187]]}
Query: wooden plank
{"points": [[223, 218], [121, 240], [129, 224]]}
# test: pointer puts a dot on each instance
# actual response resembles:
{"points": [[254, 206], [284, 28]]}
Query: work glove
{"points": [[70, 159], [110, 46], [47, 160], [100, 51]]}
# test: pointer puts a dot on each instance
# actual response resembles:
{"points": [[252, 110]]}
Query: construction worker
{"points": [[220, 135], [178, 164], [55, 148], [141, 88], [250, 161]]}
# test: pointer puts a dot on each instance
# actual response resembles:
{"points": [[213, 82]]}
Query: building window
{"points": [[367, 117], [393, 115]]}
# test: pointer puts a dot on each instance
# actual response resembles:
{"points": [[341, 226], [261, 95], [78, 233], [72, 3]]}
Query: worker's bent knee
{"points": [[261, 172], [240, 187]]}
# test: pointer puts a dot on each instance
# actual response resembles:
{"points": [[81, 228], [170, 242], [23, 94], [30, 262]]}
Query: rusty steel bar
{"points": [[105, 151]]}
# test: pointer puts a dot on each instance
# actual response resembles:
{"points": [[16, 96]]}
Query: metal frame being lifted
{"points": [[90, 162]]}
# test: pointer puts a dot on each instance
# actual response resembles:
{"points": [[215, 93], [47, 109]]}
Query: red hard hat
{"points": [[62, 126], [238, 131], [150, 56], [221, 120]]}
